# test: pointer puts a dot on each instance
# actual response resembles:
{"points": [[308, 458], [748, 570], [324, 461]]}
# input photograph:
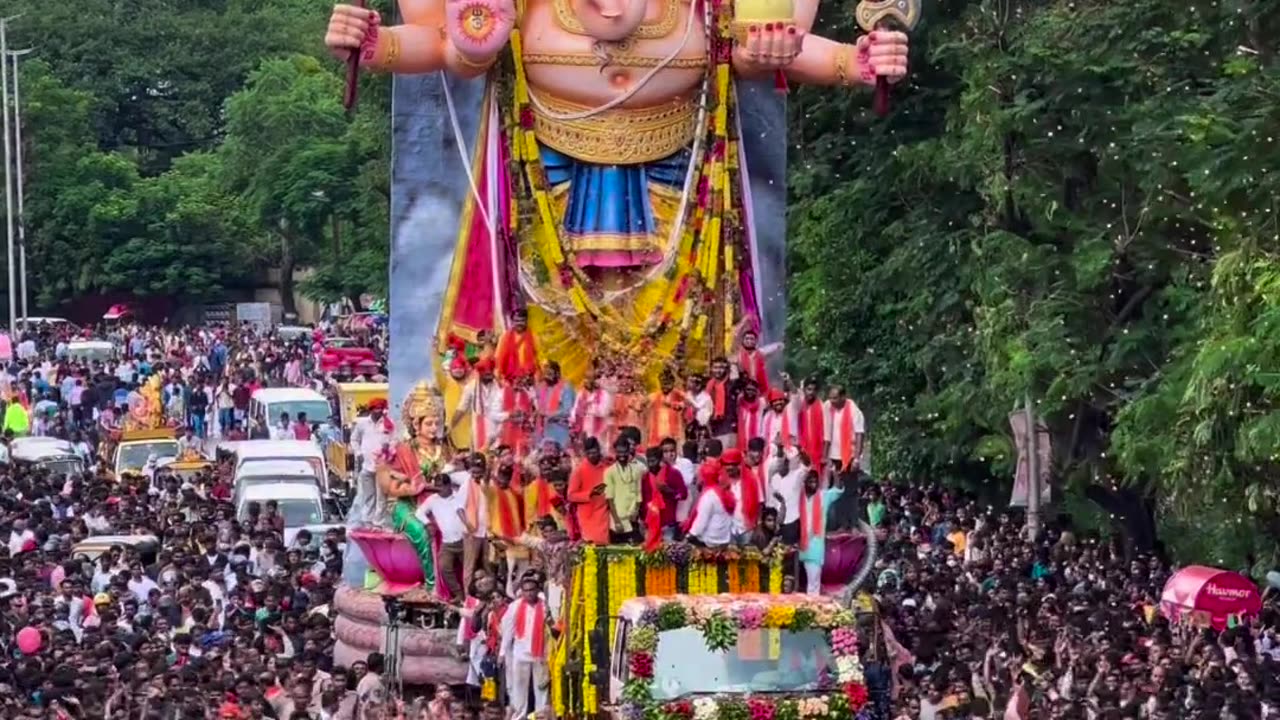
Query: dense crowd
{"points": [[219, 618]]}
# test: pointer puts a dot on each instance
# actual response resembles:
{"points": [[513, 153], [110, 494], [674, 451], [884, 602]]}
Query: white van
{"points": [[92, 350], [267, 404], [253, 451], [300, 503], [267, 472]]}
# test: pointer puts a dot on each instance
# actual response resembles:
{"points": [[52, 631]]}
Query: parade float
{"points": [[617, 180], [612, 593], [390, 601]]}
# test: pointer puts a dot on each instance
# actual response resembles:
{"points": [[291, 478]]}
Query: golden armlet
{"points": [[385, 52], [464, 61], [842, 65]]}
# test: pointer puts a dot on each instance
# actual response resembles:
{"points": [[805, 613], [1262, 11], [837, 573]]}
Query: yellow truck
{"points": [[134, 447]]}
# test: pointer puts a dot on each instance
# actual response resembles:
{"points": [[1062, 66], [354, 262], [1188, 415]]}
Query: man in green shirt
{"points": [[622, 490], [875, 508]]}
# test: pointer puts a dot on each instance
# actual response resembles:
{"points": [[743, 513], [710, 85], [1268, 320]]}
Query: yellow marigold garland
{"points": [[711, 226], [590, 702]]}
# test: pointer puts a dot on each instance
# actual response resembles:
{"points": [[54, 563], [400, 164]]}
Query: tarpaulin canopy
{"points": [[117, 311], [1209, 597]]}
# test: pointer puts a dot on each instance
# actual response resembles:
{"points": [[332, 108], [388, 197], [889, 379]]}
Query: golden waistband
{"points": [[621, 136], [621, 60]]}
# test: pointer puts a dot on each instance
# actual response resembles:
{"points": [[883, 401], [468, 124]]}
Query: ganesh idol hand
{"points": [[771, 46], [351, 28], [479, 29], [882, 53]]}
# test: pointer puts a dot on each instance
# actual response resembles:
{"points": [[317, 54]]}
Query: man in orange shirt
{"points": [[586, 492], [517, 353]]}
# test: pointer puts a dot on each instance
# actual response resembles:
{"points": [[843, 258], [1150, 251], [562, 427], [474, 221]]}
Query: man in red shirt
{"points": [[660, 491]]}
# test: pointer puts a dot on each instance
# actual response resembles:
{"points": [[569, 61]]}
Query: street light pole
{"points": [[18, 168], [8, 178]]}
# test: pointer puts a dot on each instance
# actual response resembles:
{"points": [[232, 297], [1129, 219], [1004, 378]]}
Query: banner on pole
{"points": [[1044, 453]]}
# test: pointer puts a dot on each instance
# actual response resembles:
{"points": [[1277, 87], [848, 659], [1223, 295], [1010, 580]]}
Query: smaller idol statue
{"points": [[405, 471]]}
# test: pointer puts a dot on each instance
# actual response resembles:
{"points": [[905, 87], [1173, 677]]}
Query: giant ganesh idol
{"points": [[606, 188]]}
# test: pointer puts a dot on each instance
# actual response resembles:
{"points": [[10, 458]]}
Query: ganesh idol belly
{"points": [[613, 87], [574, 53]]}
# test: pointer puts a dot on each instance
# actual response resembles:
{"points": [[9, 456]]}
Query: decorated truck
{"points": [[757, 655], [644, 632]]}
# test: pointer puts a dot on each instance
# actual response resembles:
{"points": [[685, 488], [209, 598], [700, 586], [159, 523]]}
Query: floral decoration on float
{"points": [[841, 695]]}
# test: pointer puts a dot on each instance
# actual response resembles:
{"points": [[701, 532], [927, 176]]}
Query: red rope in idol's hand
{"points": [[353, 73]]}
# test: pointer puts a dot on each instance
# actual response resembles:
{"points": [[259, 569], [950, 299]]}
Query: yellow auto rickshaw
{"points": [[353, 398]]}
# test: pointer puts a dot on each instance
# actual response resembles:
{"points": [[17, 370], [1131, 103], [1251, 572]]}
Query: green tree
{"points": [[303, 171], [1073, 201]]}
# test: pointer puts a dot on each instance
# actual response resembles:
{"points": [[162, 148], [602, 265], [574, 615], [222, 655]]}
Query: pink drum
{"points": [[843, 559], [393, 556]]}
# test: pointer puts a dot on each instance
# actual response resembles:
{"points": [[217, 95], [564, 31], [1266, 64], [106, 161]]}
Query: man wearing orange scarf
{"points": [[666, 410], [541, 498], [751, 359], [523, 651], [482, 402], [747, 495], [813, 530], [593, 412], [750, 413], [779, 425], [506, 525], [711, 522], [517, 353], [846, 429], [517, 405], [662, 490], [815, 424], [723, 393]]}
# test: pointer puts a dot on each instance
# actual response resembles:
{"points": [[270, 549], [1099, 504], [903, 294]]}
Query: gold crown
{"points": [[424, 400]]}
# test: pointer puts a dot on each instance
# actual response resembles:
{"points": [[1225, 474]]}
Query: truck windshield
{"points": [[134, 455], [762, 661]]}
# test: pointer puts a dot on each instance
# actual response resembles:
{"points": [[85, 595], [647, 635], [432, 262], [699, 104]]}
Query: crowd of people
{"points": [[220, 618]]}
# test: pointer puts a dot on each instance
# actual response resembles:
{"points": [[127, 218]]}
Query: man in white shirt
{"points": [[282, 429], [482, 401], [593, 412], [712, 520], [446, 510], [19, 537], [787, 471], [846, 428], [371, 436], [684, 464], [523, 649], [700, 403], [139, 584]]}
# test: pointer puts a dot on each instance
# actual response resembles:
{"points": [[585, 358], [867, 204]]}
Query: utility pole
{"points": [[21, 219], [1033, 469], [8, 179]]}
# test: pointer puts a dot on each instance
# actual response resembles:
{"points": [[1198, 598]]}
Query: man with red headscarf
{"points": [[711, 522], [371, 436], [482, 401], [748, 494]]}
